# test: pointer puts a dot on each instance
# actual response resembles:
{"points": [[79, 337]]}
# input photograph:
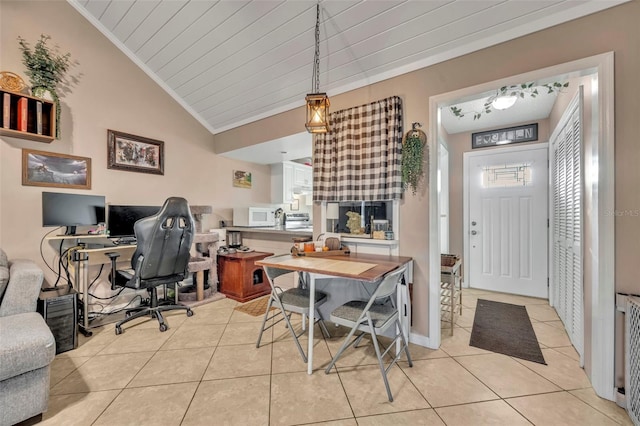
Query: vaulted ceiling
{"points": [[233, 62]]}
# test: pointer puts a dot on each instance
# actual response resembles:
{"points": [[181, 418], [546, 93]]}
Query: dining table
{"points": [[356, 267]]}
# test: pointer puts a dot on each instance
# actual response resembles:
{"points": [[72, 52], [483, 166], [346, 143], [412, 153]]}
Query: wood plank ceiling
{"points": [[232, 62]]}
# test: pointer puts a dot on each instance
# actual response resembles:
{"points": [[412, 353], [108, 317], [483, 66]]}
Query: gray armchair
{"points": [[27, 346]]}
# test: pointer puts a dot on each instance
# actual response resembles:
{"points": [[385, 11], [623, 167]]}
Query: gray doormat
{"points": [[506, 329]]}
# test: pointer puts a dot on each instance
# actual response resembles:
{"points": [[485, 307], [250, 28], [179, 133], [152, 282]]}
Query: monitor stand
{"points": [[71, 230]]}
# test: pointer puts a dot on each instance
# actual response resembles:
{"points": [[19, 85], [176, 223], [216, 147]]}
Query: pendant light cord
{"points": [[315, 79]]}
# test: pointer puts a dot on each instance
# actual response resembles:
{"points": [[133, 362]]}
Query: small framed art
{"points": [[134, 153]]}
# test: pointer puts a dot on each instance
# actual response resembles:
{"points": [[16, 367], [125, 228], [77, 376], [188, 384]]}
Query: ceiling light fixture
{"points": [[317, 103], [504, 102]]}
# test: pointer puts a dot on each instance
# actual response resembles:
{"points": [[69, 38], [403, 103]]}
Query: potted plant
{"points": [[412, 165], [46, 69]]}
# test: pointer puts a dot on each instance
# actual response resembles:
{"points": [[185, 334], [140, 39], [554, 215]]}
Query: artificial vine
{"points": [[518, 90], [413, 158]]}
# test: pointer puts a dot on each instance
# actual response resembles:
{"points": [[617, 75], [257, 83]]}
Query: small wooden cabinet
{"points": [[240, 278], [39, 117]]}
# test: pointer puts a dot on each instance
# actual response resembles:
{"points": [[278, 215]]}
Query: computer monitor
{"points": [[71, 210], [120, 219]]}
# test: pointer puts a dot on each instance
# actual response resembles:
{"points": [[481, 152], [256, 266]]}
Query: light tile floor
{"points": [[206, 370]]}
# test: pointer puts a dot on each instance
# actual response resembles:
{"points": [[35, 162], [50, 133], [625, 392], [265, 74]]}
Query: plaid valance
{"points": [[359, 158]]}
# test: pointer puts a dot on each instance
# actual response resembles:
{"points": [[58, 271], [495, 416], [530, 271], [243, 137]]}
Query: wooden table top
{"points": [[365, 267]]}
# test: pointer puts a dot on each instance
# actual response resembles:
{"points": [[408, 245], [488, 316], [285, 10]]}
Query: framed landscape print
{"points": [[41, 168], [134, 153], [241, 179]]}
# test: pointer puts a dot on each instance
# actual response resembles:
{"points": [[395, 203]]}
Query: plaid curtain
{"points": [[359, 158]]}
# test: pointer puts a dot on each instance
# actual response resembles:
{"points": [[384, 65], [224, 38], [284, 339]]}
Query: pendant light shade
{"points": [[317, 103], [317, 113]]}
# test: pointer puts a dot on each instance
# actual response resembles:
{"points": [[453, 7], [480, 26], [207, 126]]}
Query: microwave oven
{"points": [[254, 216]]}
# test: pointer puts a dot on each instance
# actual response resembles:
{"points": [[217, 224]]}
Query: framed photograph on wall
{"points": [[41, 168], [241, 179], [134, 153]]}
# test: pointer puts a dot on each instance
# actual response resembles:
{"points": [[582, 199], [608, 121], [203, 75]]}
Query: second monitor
{"points": [[120, 219]]}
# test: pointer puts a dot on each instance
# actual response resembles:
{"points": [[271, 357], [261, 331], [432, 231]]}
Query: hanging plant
{"points": [[413, 160], [46, 69]]}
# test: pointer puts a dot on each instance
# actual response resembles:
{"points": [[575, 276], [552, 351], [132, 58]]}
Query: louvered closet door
{"points": [[566, 254]]}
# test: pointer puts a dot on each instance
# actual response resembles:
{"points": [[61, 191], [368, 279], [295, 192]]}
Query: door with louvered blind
{"points": [[566, 284]]}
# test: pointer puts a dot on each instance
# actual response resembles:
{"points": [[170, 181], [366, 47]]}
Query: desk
{"points": [[360, 267], [88, 257]]}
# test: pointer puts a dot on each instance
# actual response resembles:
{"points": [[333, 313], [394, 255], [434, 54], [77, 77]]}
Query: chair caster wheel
{"points": [[118, 330], [189, 313], [163, 327]]}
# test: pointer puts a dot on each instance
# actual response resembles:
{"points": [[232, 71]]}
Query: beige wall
{"points": [[112, 93], [615, 30]]}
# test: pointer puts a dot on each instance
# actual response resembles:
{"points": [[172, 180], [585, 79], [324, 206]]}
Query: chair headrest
{"points": [[175, 206]]}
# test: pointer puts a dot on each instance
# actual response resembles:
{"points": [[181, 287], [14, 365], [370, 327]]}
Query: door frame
{"points": [[443, 190], [466, 156], [602, 188]]}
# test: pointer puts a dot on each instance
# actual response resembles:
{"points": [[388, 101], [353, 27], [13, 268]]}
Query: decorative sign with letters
{"points": [[509, 135]]}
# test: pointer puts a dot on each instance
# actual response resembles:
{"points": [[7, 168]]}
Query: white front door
{"points": [[507, 220]]}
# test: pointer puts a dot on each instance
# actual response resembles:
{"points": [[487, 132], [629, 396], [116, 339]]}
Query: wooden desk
{"points": [[360, 267]]}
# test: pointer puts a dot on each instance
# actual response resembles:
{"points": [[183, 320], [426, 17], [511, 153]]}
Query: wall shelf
{"points": [[40, 126]]}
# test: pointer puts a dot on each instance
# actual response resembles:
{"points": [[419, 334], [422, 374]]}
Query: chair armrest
{"points": [[23, 289], [113, 256]]}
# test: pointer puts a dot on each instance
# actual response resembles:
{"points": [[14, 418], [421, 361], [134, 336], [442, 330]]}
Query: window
{"points": [[506, 176], [339, 214]]}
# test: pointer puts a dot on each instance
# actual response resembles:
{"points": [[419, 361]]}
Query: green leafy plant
{"points": [[518, 90], [412, 165], [46, 69]]}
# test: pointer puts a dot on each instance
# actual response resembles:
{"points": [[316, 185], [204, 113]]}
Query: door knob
{"points": [[474, 232]]}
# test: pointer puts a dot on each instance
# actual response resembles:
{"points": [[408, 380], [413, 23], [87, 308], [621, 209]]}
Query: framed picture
{"points": [[241, 179], [134, 153], [506, 136], [40, 168]]}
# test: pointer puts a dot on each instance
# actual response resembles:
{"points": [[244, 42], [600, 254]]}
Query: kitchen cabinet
{"points": [[302, 176], [288, 178]]}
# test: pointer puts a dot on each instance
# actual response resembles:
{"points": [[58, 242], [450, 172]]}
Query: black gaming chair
{"points": [[161, 257]]}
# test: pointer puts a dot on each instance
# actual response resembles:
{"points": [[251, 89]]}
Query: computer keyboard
{"points": [[124, 241]]}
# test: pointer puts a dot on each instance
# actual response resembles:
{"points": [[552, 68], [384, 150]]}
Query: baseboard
{"points": [[420, 340]]}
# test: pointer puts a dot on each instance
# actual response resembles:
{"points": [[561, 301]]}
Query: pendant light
{"points": [[317, 103]]}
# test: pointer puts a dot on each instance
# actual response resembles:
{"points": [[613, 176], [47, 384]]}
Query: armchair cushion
{"points": [[27, 344], [21, 294], [4, 272], [4, 280], [3, 258]]}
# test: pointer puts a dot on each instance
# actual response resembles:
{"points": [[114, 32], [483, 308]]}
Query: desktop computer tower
{"points": [[59, 308]]}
